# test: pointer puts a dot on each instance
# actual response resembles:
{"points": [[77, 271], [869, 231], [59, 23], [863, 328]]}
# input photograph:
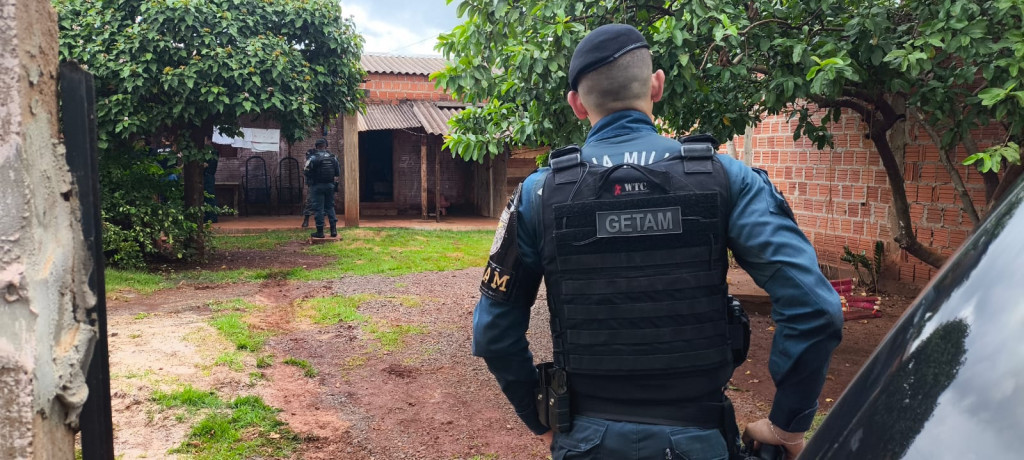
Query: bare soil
{"points": [[429, 399]]}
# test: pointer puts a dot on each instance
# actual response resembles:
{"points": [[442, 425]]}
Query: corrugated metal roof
{"points": [[385, 117], [433, 118], [412, 65], [415, 114]]}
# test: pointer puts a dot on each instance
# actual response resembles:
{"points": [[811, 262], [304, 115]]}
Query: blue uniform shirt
{"points": [[764, 241]]}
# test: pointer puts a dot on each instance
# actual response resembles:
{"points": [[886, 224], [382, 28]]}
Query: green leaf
{"points": [[971, 159]]}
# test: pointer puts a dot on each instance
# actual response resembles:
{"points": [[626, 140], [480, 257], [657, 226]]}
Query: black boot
{"points": [[305, 221], [319, 232], [334, 229]]}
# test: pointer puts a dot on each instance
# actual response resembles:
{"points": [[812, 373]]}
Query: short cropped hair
{"points": [[320, 142], [618, 85]]}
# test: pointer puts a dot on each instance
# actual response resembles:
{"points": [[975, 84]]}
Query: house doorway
{"points": [[376, 167]]}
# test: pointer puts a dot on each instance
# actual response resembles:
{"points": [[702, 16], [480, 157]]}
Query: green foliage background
{"points": [[731, 63], [170, 71]]}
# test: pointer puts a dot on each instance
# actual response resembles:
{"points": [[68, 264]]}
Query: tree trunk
{"points": [[1010, 177], [967, 205], [193, 179], [904, 233]]}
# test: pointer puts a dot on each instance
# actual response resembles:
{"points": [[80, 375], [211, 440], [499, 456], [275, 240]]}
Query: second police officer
{"points": [[321, 170], [629, 234]]}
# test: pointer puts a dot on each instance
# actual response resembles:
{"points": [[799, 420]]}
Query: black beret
{"points": [[602, 46]]}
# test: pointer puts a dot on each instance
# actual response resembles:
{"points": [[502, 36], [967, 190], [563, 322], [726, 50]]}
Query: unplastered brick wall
{"points": [[233, 169], [841, 196], [389, 88], [455, 173]]}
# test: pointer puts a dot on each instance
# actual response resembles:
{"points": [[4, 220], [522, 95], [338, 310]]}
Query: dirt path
{"points": [[429, 399]]}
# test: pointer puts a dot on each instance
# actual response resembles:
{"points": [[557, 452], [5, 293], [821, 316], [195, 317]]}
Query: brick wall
{"points": [[456, 174], [390, 88], [841, 197], [231, 165]]}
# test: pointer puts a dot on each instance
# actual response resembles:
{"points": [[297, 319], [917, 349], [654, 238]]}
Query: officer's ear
{"points": [[657, 85], [577, 105]]}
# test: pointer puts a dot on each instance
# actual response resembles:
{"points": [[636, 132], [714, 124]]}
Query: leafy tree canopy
{"points": [[167, 67], [169, 71], [731, 63]]}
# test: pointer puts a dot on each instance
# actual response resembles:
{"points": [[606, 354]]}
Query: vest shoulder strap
{"points": [[566, 164], [697, 158]]}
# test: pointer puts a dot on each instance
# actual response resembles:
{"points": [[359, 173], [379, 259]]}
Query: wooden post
{"points": [[437, 183], [351, 133], [423, 176]]}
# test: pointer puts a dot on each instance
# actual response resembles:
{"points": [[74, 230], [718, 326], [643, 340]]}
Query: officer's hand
{"points": [[548, 437], [764, 432]]}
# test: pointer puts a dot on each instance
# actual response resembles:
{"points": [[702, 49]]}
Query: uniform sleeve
{"points": [[769, 245], [501, 318]]}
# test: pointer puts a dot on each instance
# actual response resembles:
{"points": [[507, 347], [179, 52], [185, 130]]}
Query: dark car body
{"points": [[948, 380]]}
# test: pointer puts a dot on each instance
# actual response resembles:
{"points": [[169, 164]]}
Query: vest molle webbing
{"points": [[635, 264]]}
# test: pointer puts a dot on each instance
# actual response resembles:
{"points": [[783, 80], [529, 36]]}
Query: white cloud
{"points": [[387, 36]]}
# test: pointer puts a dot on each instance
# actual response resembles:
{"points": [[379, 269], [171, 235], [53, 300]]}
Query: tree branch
{"points": [[1010, 177], [904, 233], [967, 205]]}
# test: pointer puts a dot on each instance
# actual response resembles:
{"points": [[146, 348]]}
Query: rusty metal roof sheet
{"points": [[411, 65], [432, 117]]}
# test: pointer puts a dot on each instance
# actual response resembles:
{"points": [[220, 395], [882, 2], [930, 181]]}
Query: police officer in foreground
{"points": [[321, 169], [630, 234]]}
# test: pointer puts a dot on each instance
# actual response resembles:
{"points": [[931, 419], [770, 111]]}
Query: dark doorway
{"points": [[376, 167]]}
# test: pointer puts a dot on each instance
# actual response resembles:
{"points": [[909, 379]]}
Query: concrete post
{"points": [[45, 338]]}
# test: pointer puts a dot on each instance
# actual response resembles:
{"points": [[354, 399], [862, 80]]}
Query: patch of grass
{"points": [[250, 429], [233, 328], [134, 335], [400, 285], [390, 338], [331, 310], [132, 375], [232, 305], [259, 242], [132, 280], [141, 316], [188, 398], [353, 362], [307, 369], [264, 361], [243, 275], [815, 424], [400, 251], [231, 359], [410, 301], [256, 377]]}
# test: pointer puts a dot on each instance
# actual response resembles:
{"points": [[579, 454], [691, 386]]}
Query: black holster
{"points": [[739, 331], [552, 398]]}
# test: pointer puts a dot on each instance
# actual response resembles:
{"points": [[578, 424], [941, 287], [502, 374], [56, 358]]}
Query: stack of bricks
{"points": [[841, 196]]}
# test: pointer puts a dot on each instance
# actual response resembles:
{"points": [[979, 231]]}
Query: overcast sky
{"points": [[408, 27]]}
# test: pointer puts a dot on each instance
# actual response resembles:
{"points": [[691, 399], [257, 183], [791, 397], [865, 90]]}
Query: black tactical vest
{"points": [[324, 166], [635, 265]]}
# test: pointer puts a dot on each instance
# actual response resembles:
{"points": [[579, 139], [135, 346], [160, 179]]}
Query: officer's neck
{"points": [[595, 117]]}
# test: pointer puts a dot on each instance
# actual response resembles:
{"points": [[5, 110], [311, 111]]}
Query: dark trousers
{"points": [[308, 210], [594, 438], [323, 202]]}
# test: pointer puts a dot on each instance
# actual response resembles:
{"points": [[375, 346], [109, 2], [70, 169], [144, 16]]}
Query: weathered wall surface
{"points": [[841, 197], [43, 339]]}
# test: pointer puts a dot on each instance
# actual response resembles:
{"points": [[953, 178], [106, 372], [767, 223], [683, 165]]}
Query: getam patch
{"points": [[632, 222]]}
